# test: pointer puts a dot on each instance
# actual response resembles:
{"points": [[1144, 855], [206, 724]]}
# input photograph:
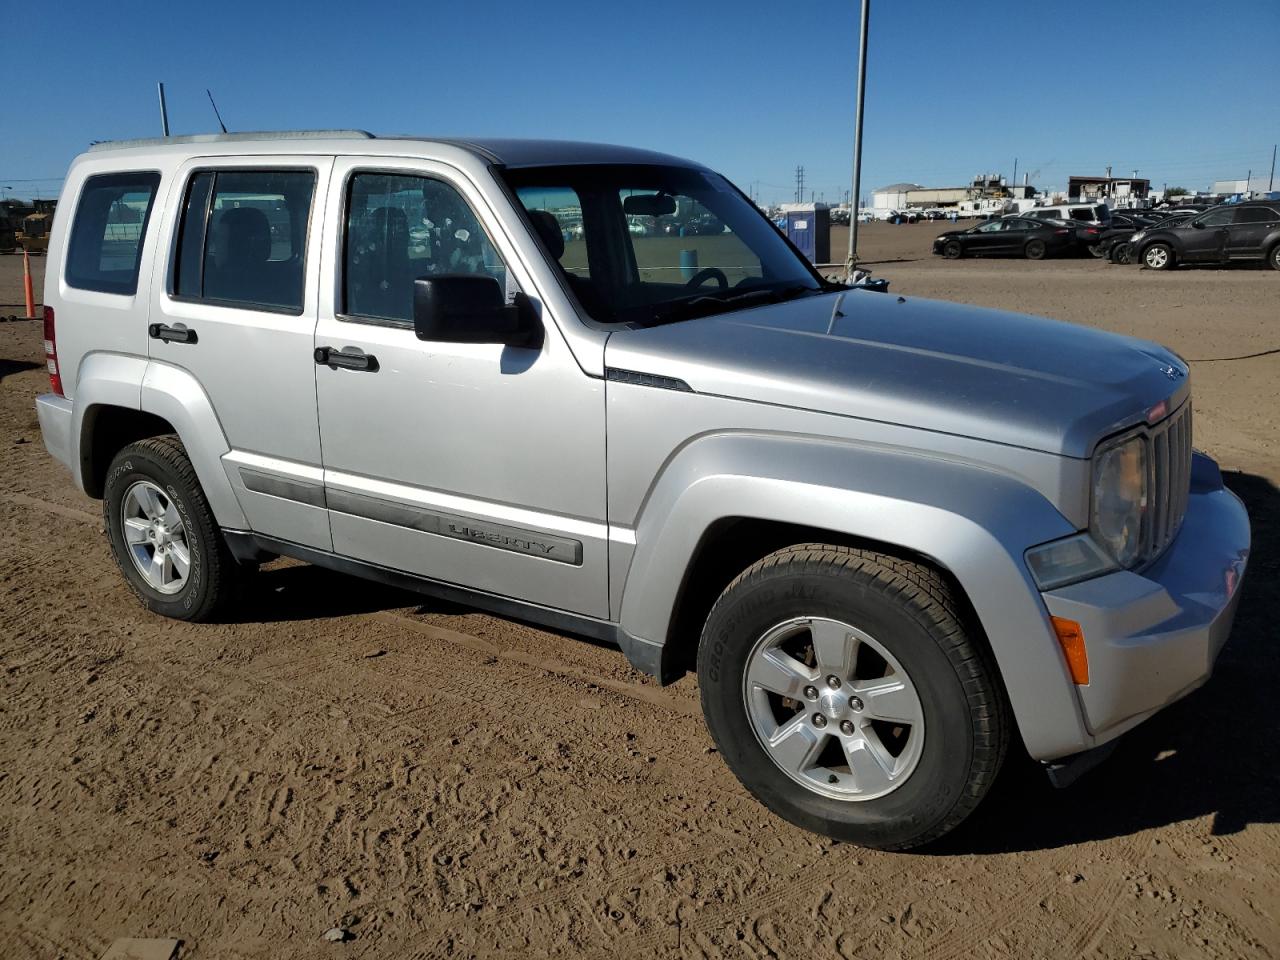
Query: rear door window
{"points": [[1256, 215], [105, 248], [243, 238]]}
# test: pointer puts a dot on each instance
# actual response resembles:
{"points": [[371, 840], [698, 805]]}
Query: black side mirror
{"points": [[466, 308], [1197, 224]]}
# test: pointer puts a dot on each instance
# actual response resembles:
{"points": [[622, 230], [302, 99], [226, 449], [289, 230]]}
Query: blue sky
{"points": [[753, 89]]}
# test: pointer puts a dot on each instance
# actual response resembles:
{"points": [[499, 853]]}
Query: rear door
{"points": [[1251, 227], [236, 309]]}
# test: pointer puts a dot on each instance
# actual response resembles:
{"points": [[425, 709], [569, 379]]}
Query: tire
{"points": [[1273, 257], [153, 478], [1035, 250], [952, 250], [905, 616], [1158, 256], [1121, 253], [1095, 250]]}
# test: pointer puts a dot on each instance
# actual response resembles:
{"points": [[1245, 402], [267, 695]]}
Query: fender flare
{"points": [[136, 383], [973, 521]]}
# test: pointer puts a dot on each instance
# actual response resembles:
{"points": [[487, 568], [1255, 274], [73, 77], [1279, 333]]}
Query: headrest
{"points": [[548, 228], [243, 236]]}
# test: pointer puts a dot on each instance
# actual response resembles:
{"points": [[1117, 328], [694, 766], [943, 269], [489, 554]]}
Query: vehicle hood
{"points": [[988, 374], [949, 233]]}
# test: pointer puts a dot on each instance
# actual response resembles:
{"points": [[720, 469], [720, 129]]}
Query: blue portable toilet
{"points": [[809, 228]]}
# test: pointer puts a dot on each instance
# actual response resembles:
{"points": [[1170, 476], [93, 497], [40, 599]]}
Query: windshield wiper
{"points": [[705, 305]]}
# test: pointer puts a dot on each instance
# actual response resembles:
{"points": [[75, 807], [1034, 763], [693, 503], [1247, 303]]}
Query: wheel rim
{"points": [[1157, 257], [833, 709], [156, 537]]}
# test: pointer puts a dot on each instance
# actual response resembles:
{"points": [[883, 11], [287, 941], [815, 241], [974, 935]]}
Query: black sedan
{"points": [[1008, 237]]}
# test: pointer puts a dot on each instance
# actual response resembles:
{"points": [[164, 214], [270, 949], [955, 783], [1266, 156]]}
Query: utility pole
{"points": [[851, 261], [1014, 181], [164, 110], [1271, 184]]}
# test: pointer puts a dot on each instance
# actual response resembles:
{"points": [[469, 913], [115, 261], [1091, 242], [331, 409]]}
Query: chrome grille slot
{"points": [[1170, 478]]}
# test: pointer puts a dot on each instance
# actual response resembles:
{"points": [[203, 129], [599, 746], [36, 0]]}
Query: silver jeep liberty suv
{"points": [[594, 388]]}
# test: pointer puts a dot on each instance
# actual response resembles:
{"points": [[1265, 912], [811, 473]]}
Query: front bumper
{"points": [[1152, 636], [55, 415]]}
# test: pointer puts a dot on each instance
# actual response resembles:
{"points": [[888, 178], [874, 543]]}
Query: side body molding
{"points": [[973, 521]]}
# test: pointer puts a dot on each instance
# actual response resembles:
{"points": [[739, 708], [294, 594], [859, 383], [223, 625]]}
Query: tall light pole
{"points": [[851, 263]]}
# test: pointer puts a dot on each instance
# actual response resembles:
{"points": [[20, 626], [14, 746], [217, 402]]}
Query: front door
{"points": [[237, 310], [1205, 238], [474, 464]]}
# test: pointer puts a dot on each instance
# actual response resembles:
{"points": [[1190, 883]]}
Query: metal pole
{"points": [[164, 110], [1271, 184], [852, 262]]}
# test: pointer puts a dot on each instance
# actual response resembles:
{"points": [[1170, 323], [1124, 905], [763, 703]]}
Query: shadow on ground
{"points": [[1215, 753], [10, 367]]}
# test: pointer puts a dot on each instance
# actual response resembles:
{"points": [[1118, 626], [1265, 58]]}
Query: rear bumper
{"points": [[1153, 636], [55, 415]]}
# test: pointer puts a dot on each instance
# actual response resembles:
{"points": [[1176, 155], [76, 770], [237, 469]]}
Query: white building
{"points": [[892, 197], [1258, 184]]}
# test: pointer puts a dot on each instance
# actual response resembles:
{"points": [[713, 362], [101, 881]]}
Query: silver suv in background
{"points": [[594, 388]]}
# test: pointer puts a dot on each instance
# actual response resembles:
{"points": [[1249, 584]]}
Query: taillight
{"points": [[51, 352]]}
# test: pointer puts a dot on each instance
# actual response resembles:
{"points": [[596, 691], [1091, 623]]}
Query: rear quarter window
{"points": [[107, 234]]}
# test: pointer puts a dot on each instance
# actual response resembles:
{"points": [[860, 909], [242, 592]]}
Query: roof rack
{"points": [[236, 138]]}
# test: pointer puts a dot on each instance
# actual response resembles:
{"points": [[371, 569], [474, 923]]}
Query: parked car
{"points": [[1008, 237], [1232, 232], [1120, 250], [896, 538], [1095, 213], [1119, 229]]}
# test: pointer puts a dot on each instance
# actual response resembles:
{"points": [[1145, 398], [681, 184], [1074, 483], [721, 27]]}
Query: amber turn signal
{"points": [[1071, 639]]}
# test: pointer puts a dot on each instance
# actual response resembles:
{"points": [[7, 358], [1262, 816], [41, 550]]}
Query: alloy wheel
{"points": [[833, 708], [156, 537]]}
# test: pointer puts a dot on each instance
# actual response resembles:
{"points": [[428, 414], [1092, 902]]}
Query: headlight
{"points": [[1118, 508], [1138, 236]]}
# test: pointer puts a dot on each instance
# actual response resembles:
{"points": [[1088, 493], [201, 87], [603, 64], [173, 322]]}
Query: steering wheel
{"points": [[705, 274]]}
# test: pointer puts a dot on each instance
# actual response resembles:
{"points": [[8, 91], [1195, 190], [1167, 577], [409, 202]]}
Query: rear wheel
{"points": [[1035, 250], [844, 693], [1274, 257], [1158, 256], [163, 534], [952, 250], [1095, 250], [1121, 253]]}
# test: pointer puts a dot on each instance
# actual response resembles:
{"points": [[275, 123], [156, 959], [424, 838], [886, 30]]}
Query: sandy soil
{"points": [[443, 783]]}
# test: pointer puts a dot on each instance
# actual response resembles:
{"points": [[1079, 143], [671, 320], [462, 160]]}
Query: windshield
{"points": [[652, 244]]}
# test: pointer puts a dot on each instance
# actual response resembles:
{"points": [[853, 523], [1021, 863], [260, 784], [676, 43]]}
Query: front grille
{"points": [[1170, 478]]}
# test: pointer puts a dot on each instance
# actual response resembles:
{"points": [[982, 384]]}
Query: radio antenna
{"points": [[215, 110]]}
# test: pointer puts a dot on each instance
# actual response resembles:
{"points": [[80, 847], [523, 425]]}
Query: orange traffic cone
{"points": [[26, 285]]}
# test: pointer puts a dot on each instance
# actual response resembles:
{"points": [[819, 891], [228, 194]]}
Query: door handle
{"points": [[329, 357], [179, 334]]}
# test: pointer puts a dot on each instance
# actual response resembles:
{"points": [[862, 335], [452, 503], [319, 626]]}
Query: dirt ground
{"points": [[444, 783]]}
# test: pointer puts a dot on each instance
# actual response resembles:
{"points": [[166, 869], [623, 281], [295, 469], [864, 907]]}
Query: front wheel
{"points": [[952, 250], [844, 693], [1035, 250], [1158, 256], [163, 534]]}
